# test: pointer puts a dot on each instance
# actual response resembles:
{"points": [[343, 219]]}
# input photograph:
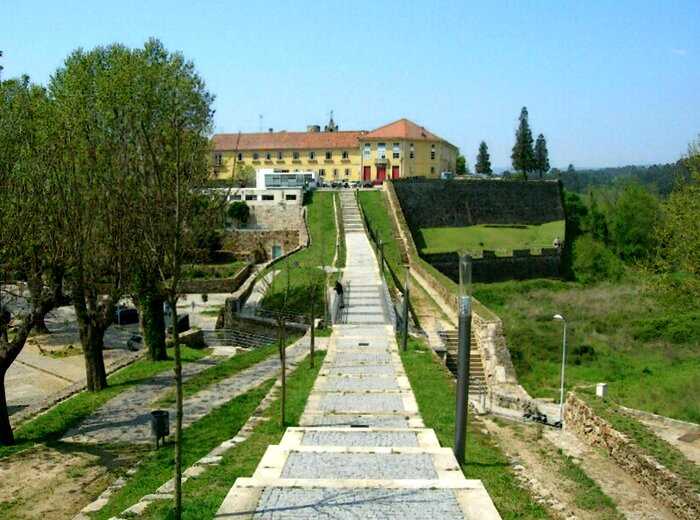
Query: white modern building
{"points": [[269, 178]]}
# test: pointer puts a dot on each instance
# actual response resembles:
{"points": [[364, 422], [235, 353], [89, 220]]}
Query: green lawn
{"points": [[645, 347], [203, 495], [500, 238], [51, 425], [302, 268], [434, 389]]}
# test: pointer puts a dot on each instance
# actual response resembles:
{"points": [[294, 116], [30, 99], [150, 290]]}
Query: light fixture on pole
{"points": [[465, 325], [560, 317]]}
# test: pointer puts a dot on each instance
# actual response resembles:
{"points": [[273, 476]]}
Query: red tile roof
{"points": [[403, 129], [288, 140]]}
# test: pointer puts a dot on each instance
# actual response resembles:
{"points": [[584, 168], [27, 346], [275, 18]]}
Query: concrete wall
{"points": [[659, 481], [457, 203], [521, 265]]}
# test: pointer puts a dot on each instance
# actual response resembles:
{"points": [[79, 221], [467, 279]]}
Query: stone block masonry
{"points": [[662, 483]]}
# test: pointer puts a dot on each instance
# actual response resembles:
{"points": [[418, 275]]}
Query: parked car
{"points": [[346, 184], [367, 184], [356, 184], [336, 184]]}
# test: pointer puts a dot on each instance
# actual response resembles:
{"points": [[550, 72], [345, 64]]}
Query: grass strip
{"points": [[222, 371], [647, 440], [434, 389], [342, 249], [199, 439], [51, 426], [203, 495], [587, 494]]}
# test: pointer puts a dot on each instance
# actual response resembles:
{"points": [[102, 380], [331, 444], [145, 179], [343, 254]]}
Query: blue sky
{"points": [[608, 82]]}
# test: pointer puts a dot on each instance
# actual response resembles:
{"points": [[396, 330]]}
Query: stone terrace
{"points": [[362, 449]]}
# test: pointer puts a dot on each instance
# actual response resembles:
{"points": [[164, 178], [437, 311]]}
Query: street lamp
{"points": [[465, 325], [559, 317]]}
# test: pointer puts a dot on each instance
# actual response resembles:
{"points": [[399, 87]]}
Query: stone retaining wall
{"points": [[215, 285], [521, 265], [662, 483]]}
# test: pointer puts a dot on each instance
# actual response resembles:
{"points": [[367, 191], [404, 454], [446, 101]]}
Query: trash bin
{"points": [[160, 425]]}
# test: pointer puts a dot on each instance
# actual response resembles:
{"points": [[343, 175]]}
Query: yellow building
{"points": [[399, 149]]}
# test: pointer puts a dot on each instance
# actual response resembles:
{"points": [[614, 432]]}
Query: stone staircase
{"points": [[352, 219], [477, 376]]}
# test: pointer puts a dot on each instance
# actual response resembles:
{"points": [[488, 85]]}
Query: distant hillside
{"points": [[662, 177]]}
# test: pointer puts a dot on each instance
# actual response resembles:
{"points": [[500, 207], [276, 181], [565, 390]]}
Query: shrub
{"points": [[676, 328], [594, 262]]}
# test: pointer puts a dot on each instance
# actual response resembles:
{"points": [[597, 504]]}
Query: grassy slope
{"points": [[434, 389], [203, 495], [477, 238], [51, 425], [648, 352], [303, 265]]}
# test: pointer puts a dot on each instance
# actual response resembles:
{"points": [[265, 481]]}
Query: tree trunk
{"points": [[178, 410], [92, 340], [6, 436], [40, 325], [283, 362], [153, 324]]}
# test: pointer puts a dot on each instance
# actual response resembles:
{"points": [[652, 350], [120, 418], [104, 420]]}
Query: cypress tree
{"points": [[541, 156], [523, 155], [483, 160]]}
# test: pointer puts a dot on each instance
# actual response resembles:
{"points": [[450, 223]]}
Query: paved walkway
{"points": [[362, 449], [126, 417]]}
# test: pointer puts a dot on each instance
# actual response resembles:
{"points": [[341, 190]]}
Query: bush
{"points": [[594, 262], [676, 328]]}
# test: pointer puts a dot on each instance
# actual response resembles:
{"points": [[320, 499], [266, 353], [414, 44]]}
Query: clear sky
{"points": [[608, 82]]}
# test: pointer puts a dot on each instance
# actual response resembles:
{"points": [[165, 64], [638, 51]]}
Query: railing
{"points": [[374, 239]]}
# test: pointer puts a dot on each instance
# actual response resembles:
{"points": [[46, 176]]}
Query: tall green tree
{"points": [[541, 156], [461, 165], [523, 155], [632, 222], [483, 160], [30, 251]]}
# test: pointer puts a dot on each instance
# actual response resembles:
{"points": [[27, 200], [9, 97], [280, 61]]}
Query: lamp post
{"points": [[465, 325], [560, 317]]}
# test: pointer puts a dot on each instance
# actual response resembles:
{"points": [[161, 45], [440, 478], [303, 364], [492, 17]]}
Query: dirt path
{"points": [[54, 483], [631, 498]]}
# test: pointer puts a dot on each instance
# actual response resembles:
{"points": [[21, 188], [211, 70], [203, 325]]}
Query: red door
{"points": [[366, 173], [381, 174], [394, 172]]}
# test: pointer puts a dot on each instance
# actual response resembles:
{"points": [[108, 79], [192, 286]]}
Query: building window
{"points": [[335, 172], [329, 156], [345, 154], [432, 152], [381, 150], [321, 172], [280, 156], [347, 172], [411, 151], [240, 156], [268, 156], [251, 197], [290, 197], [396, 150], [268, 197], [235, 197], [295, 156], [217, 159], [312, 155], [367, 151], [432, 170], [256, 156]]}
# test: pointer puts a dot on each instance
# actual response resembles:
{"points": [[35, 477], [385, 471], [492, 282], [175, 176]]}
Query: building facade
{"points": [[397, 150]]}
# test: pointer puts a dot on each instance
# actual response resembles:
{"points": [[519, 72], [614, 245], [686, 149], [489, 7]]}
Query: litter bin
{"points": [[160, 425]]}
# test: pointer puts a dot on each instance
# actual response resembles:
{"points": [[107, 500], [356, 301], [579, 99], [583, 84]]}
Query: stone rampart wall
{"points": [[215, 285], [659, 481], [521, 265], [439, 203]]}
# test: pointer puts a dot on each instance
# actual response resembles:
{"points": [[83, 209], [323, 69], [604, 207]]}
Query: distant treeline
{"points": [[660, 178]]}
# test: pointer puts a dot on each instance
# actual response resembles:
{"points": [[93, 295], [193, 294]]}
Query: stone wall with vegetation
{"points": [[256, 244], [521, 265], [215, 285], [438, 203], [660, 482]]}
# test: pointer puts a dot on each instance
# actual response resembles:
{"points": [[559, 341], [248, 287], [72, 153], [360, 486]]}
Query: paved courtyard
{"points": [[362, 450]]}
